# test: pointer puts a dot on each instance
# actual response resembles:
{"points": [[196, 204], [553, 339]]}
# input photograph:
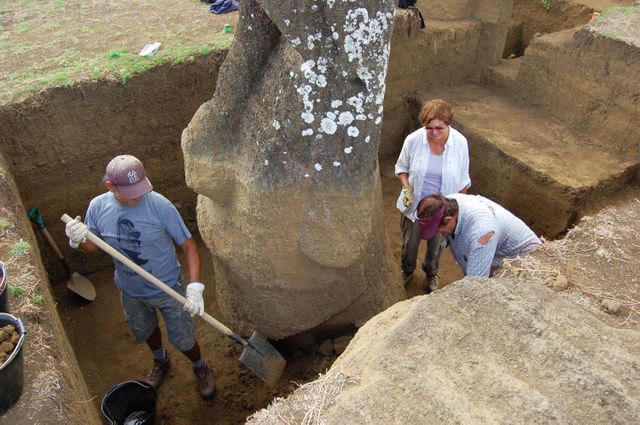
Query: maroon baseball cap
{"points": [[429, 225], [126, 172]]}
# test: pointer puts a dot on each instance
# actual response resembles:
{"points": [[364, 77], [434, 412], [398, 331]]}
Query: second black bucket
{"points": [[4, 291], [11, 371], [130, 403]]}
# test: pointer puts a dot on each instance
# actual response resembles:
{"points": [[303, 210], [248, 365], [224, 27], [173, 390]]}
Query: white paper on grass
{"points": [[150, 49]]}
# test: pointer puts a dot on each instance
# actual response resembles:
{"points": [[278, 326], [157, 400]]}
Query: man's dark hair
{"points": [[429, 206]]}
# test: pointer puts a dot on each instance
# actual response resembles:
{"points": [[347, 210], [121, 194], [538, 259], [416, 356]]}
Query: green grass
{"points": [[118, 63], [4, 223], [546, 4], [16, 291], [20, 248], [21, 27], [37, 299]]}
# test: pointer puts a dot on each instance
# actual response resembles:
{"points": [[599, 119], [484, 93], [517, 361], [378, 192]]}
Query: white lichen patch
{"points": [[318, 167], [276, 124], [336, 163], [353, 131], [296, 41], [367, 139], [336, 103], [307, 132], [345, 118], [266, 162], [348, 150], [328, 125]]}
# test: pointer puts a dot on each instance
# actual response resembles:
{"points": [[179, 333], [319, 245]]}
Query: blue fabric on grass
{"points": [[223, 6]]}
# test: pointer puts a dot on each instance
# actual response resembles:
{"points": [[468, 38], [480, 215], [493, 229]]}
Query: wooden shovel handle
{"points": [[47, 235], [154, 280]]}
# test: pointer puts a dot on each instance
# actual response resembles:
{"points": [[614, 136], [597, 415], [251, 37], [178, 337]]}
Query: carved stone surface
{"points": [[284, 158]]}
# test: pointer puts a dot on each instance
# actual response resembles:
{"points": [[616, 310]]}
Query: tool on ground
{"points": [[258, 354], [76, 283]]}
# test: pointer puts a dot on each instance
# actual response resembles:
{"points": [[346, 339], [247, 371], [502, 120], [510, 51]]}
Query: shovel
{"points": [[258, 354], [76, 283]]}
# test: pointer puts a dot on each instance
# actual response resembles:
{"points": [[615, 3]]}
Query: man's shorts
{"points": [[140, 313]]}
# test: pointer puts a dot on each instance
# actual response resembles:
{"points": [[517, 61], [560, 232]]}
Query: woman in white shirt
{"points": [[434, 160]]}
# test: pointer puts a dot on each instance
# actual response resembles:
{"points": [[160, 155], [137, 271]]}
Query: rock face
{"points": [[478, 351], [284, 158]]}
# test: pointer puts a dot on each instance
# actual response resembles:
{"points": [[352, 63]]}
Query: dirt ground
{"points": [[108, 355], [49, 43]]}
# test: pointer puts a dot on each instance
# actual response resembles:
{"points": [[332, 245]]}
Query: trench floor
{"points": [[107, 354]]}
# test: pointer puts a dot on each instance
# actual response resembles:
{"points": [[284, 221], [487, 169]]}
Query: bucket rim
{"points": [[3, 277], [22, 331], [105, 410]]}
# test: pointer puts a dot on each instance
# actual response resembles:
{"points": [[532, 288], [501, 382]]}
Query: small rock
{"points": [[340, 344], [612, 306], [558, 283], [326, 348]]}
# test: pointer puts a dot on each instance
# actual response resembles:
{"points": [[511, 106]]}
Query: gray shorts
{"points": [[140, 313]]}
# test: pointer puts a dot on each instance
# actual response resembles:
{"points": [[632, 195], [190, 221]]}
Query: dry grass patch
{"points": [[306, 405], [596, 264]]}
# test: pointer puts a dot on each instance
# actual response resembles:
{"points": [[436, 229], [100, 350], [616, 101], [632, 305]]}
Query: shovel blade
{"points": [[263, 359], [82, 286]]}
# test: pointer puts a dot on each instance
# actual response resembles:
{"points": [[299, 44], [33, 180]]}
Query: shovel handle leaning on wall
{"points": [[77, 283], [258, 354]]}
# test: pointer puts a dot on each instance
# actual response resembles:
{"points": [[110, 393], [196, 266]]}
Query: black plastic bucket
{"points": [[130, 403], [11, 372], [4, 291]]}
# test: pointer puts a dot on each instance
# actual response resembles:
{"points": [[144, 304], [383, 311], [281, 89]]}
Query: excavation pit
{"points": [[58, 145]]}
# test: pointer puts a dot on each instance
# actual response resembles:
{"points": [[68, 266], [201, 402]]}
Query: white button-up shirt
{"points": [[478, 216], [414, 160]]}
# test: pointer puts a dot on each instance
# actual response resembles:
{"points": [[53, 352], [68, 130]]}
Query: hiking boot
{"points": [[433, 283], [406, 277], [206, 381], [158, 371]]}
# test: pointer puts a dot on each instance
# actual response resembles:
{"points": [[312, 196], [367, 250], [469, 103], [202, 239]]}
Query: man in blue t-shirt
{"points": [[144, 225]]}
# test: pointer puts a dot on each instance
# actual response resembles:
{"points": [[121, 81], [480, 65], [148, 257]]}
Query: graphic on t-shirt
{"points": [[129, 240]]}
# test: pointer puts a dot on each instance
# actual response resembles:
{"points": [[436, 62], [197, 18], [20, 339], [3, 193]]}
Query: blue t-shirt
{"points": [[144, 233]]}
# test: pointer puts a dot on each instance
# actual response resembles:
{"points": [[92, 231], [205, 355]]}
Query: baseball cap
{"points": [[429, 225], [126, 172]]}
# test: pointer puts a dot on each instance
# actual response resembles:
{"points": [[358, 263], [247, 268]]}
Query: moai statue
{"points": [[284, 159]]}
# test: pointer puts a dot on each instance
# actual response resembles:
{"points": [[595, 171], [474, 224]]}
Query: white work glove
{"points": [[407, 196], [195, 303], [77, 231]]}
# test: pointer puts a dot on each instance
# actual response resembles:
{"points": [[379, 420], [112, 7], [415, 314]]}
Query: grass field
{"points": [[48, 43]]}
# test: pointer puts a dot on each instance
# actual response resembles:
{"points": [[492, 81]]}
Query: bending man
{"points": [[143, 225], [481, 233]]}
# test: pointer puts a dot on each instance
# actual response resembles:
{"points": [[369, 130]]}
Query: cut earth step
{"points": [[536, 166]]}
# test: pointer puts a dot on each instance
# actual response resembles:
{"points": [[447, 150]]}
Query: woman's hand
{"points": [[407, 196]]}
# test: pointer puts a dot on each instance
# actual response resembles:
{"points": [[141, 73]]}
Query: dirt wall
{"points": [[59, 143], [530, 17], [441, 54], [48, 355], [591, 82]]}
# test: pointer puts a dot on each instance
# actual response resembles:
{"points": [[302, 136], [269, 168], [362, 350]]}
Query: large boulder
{"points": [[478, 351], [284, 158]]}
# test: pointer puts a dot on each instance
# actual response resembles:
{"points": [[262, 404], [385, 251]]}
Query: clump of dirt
{"points": [[8, 340]]}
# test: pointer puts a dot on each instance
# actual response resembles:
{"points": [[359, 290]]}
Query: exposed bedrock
{"points": [[284, 159]]}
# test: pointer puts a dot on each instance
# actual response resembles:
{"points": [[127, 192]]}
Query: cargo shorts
{"points": [[141, 316]]}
